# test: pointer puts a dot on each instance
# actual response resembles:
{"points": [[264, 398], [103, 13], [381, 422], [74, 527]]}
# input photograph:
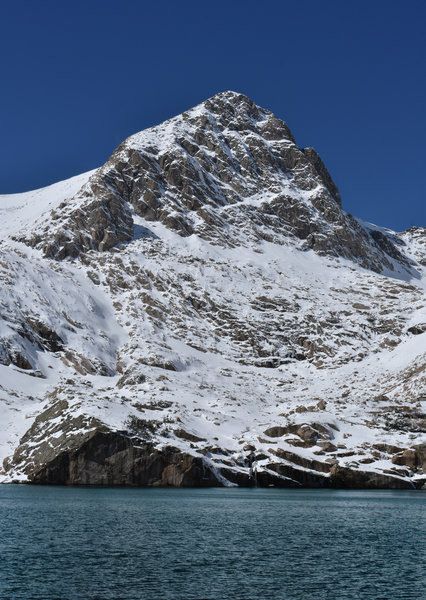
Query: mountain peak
{"points": [[234, 99], [230, 96], [226, 171], [234, 109]]}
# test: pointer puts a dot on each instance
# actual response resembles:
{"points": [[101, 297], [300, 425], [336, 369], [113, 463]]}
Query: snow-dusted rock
{"points": [[223, 165], [202, 311]]}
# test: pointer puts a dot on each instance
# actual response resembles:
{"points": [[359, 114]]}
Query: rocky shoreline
{"points": [[115, 459]]}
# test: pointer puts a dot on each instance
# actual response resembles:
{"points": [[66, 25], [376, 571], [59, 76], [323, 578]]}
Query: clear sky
{"points": [[349, 77]]}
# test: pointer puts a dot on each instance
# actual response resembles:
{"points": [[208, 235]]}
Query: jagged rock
{"points": [[101, 221], [179, 184], [386, 244], [17, 359], [46, 337]]}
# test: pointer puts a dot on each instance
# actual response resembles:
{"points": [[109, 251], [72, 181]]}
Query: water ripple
{"points": [[153, 544]]}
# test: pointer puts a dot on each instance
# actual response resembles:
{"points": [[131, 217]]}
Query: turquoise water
{"points": [[157, 544]]}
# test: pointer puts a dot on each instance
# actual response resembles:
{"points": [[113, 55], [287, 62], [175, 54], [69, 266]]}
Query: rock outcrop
{"points": [[113, 459], [108, 458]]}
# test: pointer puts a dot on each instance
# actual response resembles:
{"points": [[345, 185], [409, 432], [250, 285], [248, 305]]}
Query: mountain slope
{"points": [[201, 310]]}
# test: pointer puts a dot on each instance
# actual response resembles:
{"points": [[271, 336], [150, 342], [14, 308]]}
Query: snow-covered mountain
{"points": [[202, 311]]}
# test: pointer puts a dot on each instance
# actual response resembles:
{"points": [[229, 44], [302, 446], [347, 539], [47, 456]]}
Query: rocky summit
{"points": [[201, 311]]}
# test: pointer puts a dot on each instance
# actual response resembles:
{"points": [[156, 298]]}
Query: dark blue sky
{"points": [[347, 76]]}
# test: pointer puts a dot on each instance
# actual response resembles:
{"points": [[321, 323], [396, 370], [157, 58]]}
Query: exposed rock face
{"points": [[112, 459], [102, 220], [412, 457], [341, 477], [108, 458], [223, 165], [54, 432]]}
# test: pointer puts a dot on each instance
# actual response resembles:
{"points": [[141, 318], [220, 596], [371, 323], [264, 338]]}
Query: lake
{"points": [[185, 544]]}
